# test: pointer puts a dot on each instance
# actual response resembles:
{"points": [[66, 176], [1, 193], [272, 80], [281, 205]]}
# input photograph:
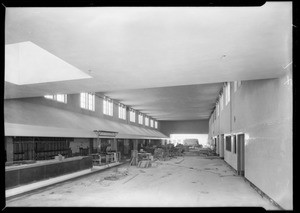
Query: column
{"points": [[91, 145], [135, 144], [98, 145], [9, 149]]}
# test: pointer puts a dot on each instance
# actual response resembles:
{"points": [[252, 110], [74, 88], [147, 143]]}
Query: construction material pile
{"points": [[206, 152], [144, 163], [149, 149], [159, 154], [118, 174], [168, 151]]}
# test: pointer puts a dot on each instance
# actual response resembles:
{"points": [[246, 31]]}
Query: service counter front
{"points": [[41, 170]]}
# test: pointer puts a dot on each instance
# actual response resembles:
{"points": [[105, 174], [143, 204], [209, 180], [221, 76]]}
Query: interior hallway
{"points": [[189, 181]]}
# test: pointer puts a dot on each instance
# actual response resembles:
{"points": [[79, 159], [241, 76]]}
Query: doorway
{"points": [[241, 154], [215, 144], [221, 144]]}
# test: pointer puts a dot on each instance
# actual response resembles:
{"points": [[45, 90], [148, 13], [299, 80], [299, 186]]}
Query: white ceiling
{"points": [[148, 47], [172, 103]]}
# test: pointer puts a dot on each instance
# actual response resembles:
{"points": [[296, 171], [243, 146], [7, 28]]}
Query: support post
{"points": [[135, 144], [9, 149], [98, 145]]}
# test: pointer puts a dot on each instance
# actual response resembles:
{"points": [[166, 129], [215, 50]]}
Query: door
{"points": [[215, 144], [218, 145], [221, 142], [241, 154]]}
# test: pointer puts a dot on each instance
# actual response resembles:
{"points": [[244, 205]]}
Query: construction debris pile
{"points": [[168, 151], [146, 157], [118, 174], [206, 152]]}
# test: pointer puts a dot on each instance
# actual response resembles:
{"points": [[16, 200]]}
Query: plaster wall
{"points": [[262, 110]]}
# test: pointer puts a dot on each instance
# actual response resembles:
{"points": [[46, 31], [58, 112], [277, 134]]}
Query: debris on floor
{"points": [[118, 174], [178, 162], [169, 184]]}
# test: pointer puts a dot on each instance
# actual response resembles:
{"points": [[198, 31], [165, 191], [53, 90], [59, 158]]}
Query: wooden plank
{"points": [[130, 178]]}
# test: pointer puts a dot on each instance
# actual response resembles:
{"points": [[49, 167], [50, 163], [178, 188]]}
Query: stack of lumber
{"points": [[144, 163]]}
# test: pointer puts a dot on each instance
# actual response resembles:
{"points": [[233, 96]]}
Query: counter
{"points": [[41, 170]]}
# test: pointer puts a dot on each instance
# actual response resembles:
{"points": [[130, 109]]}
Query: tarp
{"points": [[27, 119]]}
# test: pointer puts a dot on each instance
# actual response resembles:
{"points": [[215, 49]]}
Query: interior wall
{"points": [[224, 117], [73, 104], [184, 127], [262, 110]]}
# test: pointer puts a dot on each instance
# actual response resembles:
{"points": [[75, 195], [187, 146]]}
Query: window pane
{"points": [[141, 119], [90, 102], [49, 96], [132, 116], [104, 106], [110, 107], [59, 98], [146, 121], [93, 102], [82, 100], [228, 91]]}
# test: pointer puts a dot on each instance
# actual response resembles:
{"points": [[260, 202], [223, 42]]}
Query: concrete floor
{"points": [[189, 181]]}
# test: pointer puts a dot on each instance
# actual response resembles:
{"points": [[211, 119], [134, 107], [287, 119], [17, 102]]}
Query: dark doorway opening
{"points": [[241, 154]]}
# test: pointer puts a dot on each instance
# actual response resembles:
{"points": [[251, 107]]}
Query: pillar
{"points": [[135, 144], [114, 145], [91, 145], [9, 149], [98, 145]]}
